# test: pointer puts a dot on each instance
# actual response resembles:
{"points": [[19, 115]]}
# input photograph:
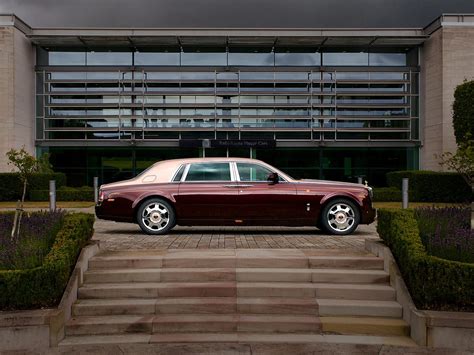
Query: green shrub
{"points": [[431, 186], [11, 186], [387, 194], [434, 283], [65, 193], [43, 286], [463, 112]]}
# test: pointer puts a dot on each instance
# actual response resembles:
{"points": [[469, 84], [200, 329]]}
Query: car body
{"points": [[232, 191]]}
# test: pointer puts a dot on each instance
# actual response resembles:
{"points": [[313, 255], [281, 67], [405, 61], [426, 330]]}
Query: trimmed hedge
{"points": [[387, 194], [43, 286], [11, 187], [65, 193], [431, 186], [434, 283]]}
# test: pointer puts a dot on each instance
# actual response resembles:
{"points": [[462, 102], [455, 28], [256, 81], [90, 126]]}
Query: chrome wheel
{"points": [[155, 216], [340, 217]]}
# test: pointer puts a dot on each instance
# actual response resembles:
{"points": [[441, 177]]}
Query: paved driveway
{"points": [[123, 236]]}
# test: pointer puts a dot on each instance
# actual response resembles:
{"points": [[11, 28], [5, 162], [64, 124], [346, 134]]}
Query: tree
{"points": [[26, 165], [463, 112]]}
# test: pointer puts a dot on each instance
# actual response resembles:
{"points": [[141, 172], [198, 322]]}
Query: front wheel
{"points": [[156, 216], [340, 217]]}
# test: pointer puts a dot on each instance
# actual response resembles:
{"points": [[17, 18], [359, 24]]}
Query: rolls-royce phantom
{"points": [[232, 192]]}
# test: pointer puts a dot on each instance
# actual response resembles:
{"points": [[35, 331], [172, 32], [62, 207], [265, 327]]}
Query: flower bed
{"points": [[446, 232], [434, 282], [38, 231], [45, 274]]}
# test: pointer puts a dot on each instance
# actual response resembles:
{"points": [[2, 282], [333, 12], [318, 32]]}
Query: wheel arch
{"points": [[346, 196], [139, 201]]}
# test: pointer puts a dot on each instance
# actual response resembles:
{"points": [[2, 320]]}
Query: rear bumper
{"points": [[105, 211]]}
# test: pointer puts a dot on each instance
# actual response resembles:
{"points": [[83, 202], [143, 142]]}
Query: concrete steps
{"points": [[238, 274], [273, 296]]}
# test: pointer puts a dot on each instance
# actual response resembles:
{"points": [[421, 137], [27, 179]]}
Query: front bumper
{"points": [[368, 215]]}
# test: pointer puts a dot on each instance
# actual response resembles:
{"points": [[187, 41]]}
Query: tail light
{"points": [[101, 195]]}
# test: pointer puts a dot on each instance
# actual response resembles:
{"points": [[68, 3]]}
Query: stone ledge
{"points": [[427, 328]]}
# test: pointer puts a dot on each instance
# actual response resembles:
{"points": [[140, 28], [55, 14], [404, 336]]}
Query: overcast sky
{"points": [[233, 13]]}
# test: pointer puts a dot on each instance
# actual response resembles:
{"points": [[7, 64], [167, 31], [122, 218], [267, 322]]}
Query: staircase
{"points": [[242, 295]]}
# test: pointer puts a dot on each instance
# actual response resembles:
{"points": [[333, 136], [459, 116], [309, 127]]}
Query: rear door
{"points": [[207, 194]]}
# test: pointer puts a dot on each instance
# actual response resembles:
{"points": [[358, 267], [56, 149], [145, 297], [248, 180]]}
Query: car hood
{"points": [[329, 182]]}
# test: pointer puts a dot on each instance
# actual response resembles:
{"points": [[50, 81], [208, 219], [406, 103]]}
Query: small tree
{"points": [[26, 165], [463, 112]]}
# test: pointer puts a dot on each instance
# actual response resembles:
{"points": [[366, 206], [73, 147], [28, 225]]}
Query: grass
{"points": [[45, 204], [417, 204]]}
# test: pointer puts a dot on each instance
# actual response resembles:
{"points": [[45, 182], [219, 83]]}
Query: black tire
{"points": [[340, 217], [156, 216]]}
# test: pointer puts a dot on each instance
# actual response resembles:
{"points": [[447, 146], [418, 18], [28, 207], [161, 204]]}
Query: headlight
{"points": [[371, 192]]}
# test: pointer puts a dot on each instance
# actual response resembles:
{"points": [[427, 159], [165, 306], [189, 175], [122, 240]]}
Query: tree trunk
{"points": [[472, 207], [21, 208]]}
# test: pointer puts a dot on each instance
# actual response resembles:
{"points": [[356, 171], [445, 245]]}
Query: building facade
{"points": [[317, 103]]}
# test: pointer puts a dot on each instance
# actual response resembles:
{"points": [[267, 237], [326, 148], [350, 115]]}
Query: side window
{"points": [[179, 174], [209, 172], [253, 172]]}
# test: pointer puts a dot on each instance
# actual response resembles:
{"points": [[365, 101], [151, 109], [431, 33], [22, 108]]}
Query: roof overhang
{"points": [[143, 38]]}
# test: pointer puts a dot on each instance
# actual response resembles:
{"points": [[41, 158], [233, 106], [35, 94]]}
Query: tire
{"points": [[340, 217], [156, 216]]}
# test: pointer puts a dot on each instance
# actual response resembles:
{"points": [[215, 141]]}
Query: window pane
{"points": [[251, 59], [164, 58], [209, 172], [109, 58], [298, 59], [393, 59], [252, 172], [345, 58], [204, 58], [67, 58]]}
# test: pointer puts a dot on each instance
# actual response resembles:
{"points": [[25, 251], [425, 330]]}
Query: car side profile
{"points": [[232, 192]]}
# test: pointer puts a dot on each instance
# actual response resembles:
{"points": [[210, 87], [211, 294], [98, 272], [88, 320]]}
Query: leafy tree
{"points": [[26, 165], [463, 112]]}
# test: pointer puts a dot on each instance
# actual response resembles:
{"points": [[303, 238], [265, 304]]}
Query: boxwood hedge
{"points": [[434, 283], [43, 286], [432, 186], [11, 187], [65, 193]]}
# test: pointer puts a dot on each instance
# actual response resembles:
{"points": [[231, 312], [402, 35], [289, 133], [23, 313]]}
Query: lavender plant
{"points": [[446, 232], [36, 237]]}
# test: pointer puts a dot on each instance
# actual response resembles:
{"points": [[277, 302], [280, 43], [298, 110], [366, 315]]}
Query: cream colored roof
{"points": [[163, 171]]}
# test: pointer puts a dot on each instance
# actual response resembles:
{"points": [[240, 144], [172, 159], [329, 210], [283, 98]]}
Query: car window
{"points": [[209, 172], [253, 172], [179, 174]]}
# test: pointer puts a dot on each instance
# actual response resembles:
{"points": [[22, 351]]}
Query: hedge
{"points": [[65, 193], [11, 187], [387, 194], [434, 283], [431, 186], [43, 286]]}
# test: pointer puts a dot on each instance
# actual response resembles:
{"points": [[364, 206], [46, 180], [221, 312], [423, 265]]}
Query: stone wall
{"points": [[17, 90], [447, 60]]}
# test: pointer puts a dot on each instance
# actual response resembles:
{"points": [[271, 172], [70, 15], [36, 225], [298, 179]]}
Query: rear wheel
{"points": [[156, 216], [340, 217]]}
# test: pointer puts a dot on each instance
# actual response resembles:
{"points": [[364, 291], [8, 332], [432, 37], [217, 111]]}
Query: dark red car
{"points": [[232, 191]]}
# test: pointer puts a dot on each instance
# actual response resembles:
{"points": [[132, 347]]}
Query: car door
{"points": [[261, 202], [207, 194]]}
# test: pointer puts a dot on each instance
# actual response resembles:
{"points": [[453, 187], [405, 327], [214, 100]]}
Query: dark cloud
{"points": [[233, 13]]}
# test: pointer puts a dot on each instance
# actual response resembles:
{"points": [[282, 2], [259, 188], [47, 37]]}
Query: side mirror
{"points": [[273, 178]]}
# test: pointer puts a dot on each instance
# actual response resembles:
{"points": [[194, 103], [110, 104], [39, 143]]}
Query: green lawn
{"points": [[416, 204], [45, 204]]}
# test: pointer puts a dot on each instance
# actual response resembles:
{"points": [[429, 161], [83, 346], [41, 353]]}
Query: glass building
{"points": [[329, 104]]}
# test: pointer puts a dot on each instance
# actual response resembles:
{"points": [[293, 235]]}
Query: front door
{"points": [[263, 203], [207, 194]]}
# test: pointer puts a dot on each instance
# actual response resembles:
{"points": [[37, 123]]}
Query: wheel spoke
{"points": [[155, 216]]}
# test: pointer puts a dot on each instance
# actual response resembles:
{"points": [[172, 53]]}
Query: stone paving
{"points": [[125, 236]]}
